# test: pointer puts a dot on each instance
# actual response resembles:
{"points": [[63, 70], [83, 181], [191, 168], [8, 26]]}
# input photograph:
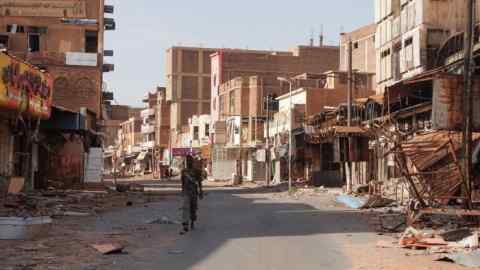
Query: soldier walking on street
{"points": [[192, 190]]}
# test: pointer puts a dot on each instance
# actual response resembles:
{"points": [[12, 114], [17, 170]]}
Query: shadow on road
{"points": [[242, 228]]}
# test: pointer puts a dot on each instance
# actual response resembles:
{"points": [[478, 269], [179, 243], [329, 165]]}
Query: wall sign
{"points": [[24, 88]]}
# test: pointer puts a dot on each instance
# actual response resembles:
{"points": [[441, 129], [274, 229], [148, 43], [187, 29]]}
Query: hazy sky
{"points": [[146, 28]]}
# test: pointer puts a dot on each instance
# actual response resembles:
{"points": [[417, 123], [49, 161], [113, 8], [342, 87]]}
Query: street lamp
{"points": [[290, 139]]}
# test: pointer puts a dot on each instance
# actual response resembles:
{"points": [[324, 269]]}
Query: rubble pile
{"points": [[448, 238], [57, 203]]}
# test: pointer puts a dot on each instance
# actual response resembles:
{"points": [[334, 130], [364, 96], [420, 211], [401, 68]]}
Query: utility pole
{"points": [[350, 85], [290, 131], [467, 100], [349, 115], [267, 150], [290, 138]]}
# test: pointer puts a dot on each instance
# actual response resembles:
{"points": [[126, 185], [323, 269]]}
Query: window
{"points": [[408, 47], [91, 42], [207, 130], [15, 28], [3, 41], [33, 42], [195, 133], [232, 102], [355, 45], [408, 41]]}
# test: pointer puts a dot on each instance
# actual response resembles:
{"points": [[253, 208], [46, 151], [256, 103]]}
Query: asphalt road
{"points": [[239, 229]]}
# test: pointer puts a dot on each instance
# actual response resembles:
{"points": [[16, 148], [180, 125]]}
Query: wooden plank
{"points": [[109, 248]]}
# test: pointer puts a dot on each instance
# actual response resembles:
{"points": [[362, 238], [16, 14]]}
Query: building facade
{"points": [[409, 34], [65, 38], [25, 97], [230, 64], [363, 49], [188, 84]]}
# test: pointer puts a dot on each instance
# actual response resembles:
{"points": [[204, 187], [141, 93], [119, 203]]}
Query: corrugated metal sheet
{"points": [[448, 106]]}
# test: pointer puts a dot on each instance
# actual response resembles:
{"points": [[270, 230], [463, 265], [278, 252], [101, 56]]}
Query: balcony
{"points": [[149, 144], [147, 113], [147, 129], [109, 23], [108, 53], [108, 67], [110, 9]]}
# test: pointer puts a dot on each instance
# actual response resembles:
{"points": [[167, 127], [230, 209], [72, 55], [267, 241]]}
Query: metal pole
{"points": [[350, 84], [468, 104], [349, 116], [267, 151], [290, 139]]}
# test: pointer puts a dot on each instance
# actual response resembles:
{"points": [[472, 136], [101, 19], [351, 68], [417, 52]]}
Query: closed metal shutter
{"points": [[5, 149]]}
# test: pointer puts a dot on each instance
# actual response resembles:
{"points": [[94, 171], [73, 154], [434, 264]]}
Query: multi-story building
{"points": [[230, 64], [363, 49], [199, 130], [130, 137], [149, 121], [66, 38], [113, 116], [410, 33], [188, 84], [162, 119]]}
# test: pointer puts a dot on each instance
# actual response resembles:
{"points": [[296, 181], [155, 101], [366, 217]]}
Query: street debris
{"points": [[72, 214], [459, 245], [110, 248], [176, 252], [163, 220], [351, 201], [16, 185], [17, 228], [363, 202], [467, 259]]}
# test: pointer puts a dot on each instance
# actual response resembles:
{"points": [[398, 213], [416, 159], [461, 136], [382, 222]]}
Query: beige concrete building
{"points": [[188, 83], [363, 49], [410, 33], [130, 136], [114, 115], [162, 118]]}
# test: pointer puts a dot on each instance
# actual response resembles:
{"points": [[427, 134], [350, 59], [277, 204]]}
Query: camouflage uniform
{"points": [[191, 191]]}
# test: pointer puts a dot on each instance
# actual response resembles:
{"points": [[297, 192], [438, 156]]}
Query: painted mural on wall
{"points": [[24, 88]]}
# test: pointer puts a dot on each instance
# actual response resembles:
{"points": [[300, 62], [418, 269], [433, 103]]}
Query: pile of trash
{"points": [[454, 245], [364, 202]]}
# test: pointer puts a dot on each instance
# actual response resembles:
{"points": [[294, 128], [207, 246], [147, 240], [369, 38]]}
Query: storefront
{"points": [[25, 99]]}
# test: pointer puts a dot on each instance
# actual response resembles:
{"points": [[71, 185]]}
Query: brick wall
{"points": [[74, 88]]}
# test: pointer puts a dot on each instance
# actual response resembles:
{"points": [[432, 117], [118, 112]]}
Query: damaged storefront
{"points": [[25, 99], [70, 150]]}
